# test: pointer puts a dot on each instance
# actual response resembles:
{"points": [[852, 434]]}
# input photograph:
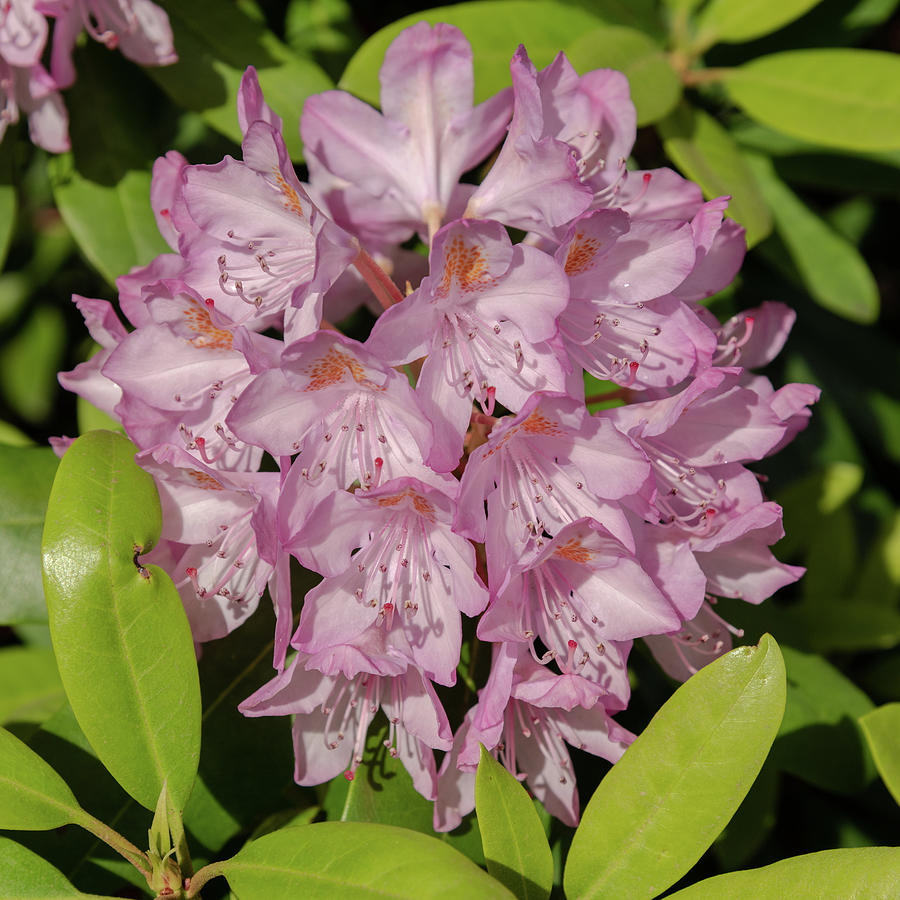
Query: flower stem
{"points": [[377, 279], [112, 838], [207, 873]]}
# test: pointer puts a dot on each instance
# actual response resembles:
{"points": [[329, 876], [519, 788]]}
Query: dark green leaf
{"points": [[882, 729], [355, 859], [734, 23], [215, 43], [8, 204], [707, 154], [494, 28], [663, 803], [655, 86], [26, 474], [121, 637], [25, 876], [832, 269], [32, 796], [836, 97], [859, 872], [32, 691], [515, 846]]}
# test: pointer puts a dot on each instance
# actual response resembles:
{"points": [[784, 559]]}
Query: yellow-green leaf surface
{"points": [[32, 796], [121, 637], [495, 28], [861, 873], [358, 860], [726, 20], [882, 730], [706, 153], [838, 97], [662, 805], [831, 268], [655, 87], [26, 876], [515, 846], [32, 691]]}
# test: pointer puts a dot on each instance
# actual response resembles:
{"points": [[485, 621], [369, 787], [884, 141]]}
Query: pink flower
{"points": [[34, 92], [23, 33]]}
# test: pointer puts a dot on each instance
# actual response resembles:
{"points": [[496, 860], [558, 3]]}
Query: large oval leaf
{"points": [[120, 633], [515, 846], [359, 860], [663, 803], [32, 796], [706, 153], [494, 28], [882, 728], [725, 20], [870, 872], [655, 87], [840, 98], [832, 269], [26, 876]]}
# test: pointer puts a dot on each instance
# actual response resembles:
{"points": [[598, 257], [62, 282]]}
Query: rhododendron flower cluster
{"points": [[448, 467], [139, 28]]}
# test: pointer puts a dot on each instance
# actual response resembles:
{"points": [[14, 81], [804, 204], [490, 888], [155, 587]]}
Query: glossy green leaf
{"points": [[32, 691], [882, 730], [32, 796], [819, 740], [753, 822], [495, 28], [26, 475], [355, 859], [121, 637], [707, 154], [655, 86], [832, 269], [215, 43], [515, 846], [868, 872], [660, 807], [839, 98], [734, 23], [26, 876]]}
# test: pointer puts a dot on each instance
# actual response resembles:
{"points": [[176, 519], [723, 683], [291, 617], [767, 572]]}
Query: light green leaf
{"points": [[832, 269], [819, 740], [32, 691], [734, 23], [8, 203], [870, 872], [26, 474], [26, 876], [655, 86], [32, 796], [839, 98], [11, 436], [515, 846], [706, 153], [355, 859], [216, 42], [660, 807], [495, 28], [121, 637], [882, 730]]}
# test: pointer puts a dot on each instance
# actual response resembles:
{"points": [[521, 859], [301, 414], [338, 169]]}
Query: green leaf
{"points": [[832, 269], [355, 859], [678, 784], [858, 872], [753, 822], [32, 691], [515, 846], [655, 86], [495, 28], [121, 637], [8, 202], [25, 876], [215, 43], [32, 796], [882, 728], [707, 154], [734, 23], [839, 98], [819, 740], [26, 475]]}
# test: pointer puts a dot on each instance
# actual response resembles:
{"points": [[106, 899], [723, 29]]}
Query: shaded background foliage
{"points": [[821, 216]]}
